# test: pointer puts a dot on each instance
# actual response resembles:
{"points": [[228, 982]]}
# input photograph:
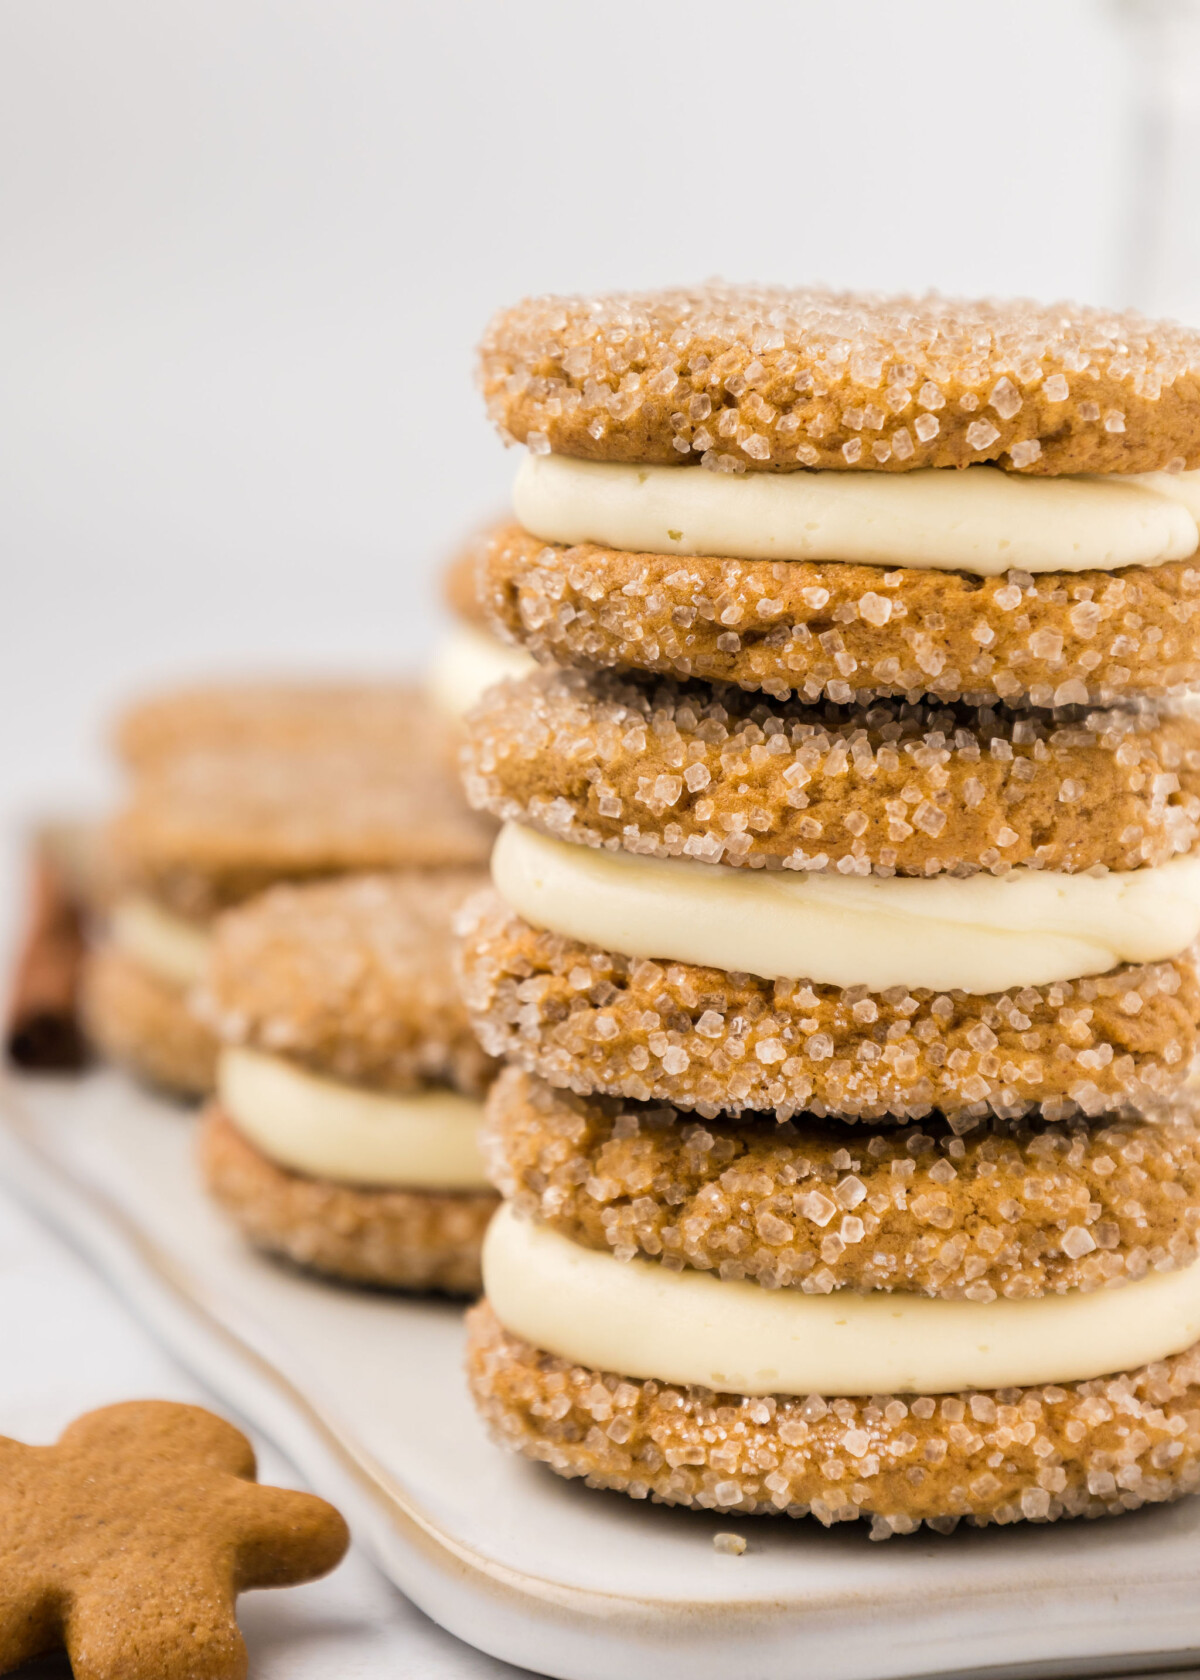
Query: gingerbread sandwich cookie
{"points": [[909, 1328], [729, 902], [308, 793], [830, 551], [344, 1132]]}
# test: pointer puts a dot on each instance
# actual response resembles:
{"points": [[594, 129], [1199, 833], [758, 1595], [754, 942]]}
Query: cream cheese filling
{"points": [[327, 1129], [465, 663], [171, 948], [979, 933], [638, 1319], [977, 519]]}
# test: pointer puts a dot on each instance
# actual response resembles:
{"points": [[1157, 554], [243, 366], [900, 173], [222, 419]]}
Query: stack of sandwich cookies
{"points": [[234, 791], [469, 658], [800, 839], [344, 1133]]}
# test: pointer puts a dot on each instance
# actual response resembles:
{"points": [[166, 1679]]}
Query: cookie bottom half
{"points": [[1094, 1448], [703, 1038], [397, 1239], [142, 1021]]}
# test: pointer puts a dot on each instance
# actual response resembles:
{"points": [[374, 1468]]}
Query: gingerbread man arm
{"points": [[30, 1599], [286, 1537], [30, 1620]]}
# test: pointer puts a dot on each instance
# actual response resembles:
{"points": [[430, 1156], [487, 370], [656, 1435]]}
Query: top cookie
{"points": [[773, 379], [209, 829], [221, 717], [352, 977]]}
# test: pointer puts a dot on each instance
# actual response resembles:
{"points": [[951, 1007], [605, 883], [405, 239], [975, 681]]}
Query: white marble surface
{"points": [[68, 1345]]}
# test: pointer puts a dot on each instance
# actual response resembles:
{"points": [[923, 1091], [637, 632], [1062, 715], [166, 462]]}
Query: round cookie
{"points": [[210, 829], [225, 717], [1014, 1209], [460, 582], [399, 1239], [1090, 1449], [351, 978], [592, 1020], [675, 770], [775, 379], [839, 630], [145, 1023]]}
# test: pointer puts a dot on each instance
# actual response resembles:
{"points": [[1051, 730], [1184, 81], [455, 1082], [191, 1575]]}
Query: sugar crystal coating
{"points": [[830, 629], [1015, 1209], [667, 769], [777, 379]]}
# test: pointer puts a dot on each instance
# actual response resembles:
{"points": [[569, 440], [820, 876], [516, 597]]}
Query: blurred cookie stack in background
{"points": [[345, 1131], [234, 789], [841, 945], [279, 889]]}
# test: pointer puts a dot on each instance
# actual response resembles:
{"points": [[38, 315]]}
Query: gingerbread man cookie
{"points": [[128, 1541]]}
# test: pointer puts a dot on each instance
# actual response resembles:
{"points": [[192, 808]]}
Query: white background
{"points": [[247, 247]]}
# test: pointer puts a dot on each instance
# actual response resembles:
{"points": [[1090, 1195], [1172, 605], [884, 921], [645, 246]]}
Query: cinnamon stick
{"points": [[43, 1030]]}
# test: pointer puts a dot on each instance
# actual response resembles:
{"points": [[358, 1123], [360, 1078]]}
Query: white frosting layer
{"points": [[980, 933], [167, 945], [466, 662], [1182, 487], [979, 519], [321, 1127], [639, 1319]]}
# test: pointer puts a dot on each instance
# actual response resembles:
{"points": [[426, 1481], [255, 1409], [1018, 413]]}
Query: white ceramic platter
{"points": [[364, 1393]]}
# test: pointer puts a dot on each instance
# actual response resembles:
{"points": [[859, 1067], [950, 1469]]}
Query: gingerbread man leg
{"points": [[29, 1623], [115, 1630]]}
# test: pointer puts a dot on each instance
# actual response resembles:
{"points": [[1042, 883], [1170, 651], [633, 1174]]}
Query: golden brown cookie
{"points": [[146, 1023], [460, 588], [209, 829], [592, 1020], [1087, 1449], [351, 978], [836, 630], [1014, 1209], [774, 379], [127, 1542], [671, 769], [290, 716], [395, 1239]]}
